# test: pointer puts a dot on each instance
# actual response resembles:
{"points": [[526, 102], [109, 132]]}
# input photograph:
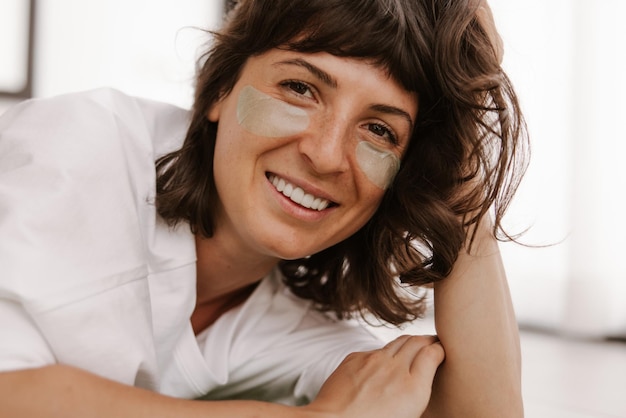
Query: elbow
{"points": [[476, 396], [508, 405]]}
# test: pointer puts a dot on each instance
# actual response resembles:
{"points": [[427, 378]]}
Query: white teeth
{"points": [[288, 190], [281, 185], [297, 195], [307, 201]]}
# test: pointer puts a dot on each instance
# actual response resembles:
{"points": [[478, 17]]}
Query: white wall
{"points": [[14, 19], [143, 47], [567, 59]]}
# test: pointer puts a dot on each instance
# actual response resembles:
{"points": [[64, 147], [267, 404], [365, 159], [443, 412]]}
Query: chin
{"points": [[292, 255], [292, 245], [294, 251]]}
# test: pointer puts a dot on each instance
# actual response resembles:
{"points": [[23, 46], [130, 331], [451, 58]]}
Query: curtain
{"points": [[567, 59]]}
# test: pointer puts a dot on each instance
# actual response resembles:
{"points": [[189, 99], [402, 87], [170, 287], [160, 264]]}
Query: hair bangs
{"points": [[379, 31], [374, 30]]}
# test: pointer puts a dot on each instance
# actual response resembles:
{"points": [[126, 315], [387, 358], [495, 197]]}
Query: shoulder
{"points": [[276, 340], [97, 135], [92, 120], [97, 101], [76, 181]]}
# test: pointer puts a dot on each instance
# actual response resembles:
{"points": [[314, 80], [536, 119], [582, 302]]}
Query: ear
{"points": [[214, 112]]}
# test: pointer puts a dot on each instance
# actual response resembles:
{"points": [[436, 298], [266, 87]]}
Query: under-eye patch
{"points": [[379, 166], [264, 115]]}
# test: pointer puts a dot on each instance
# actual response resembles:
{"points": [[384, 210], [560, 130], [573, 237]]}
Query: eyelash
{"points": [[386, 131], [291, 84]]}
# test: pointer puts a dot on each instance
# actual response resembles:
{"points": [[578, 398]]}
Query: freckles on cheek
{"points": [[263, 115], [379, 166]]}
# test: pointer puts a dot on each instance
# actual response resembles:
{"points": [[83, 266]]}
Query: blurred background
{"points": [[567, 60], [143, 47]]}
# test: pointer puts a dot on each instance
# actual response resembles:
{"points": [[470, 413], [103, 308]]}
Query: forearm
{"points": [[59, 391], [474, 318]]}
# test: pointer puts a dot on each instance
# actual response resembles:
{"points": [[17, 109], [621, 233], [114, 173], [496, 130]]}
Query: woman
{"points": [[337, 152]]}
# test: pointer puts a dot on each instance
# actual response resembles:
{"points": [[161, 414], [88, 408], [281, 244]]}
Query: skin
{"points": [[476, 325], [474, 316], [264, 115], [62, 392], [257, 226], [321, 161]]}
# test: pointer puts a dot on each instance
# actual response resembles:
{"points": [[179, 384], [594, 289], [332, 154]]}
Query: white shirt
{"points": [[91, 277]]}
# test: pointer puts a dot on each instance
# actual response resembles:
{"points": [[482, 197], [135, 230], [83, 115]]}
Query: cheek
{"points": [[379, 166], [263, 115]]}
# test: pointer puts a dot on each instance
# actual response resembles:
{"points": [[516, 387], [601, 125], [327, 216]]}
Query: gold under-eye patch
{"points": [[263, 115], [379, 165]]}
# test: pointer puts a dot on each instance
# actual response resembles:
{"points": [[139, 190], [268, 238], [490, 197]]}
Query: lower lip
{"points": [[295, 210]]}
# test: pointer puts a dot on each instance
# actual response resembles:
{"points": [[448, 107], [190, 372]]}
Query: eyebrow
{"points": [[392, 110], [330, 81], [322, 75]]}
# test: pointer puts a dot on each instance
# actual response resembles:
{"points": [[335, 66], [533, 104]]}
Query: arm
{"points": [[475, 322], [474, 318], [62, 391], [364, 385]]}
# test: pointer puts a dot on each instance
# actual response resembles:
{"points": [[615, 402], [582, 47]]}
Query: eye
{"points": [[383, 131], [298, 87]]}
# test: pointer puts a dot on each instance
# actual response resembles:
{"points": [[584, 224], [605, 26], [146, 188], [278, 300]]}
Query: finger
{"points": [[408, 345], [394, 346], [427, 360]]}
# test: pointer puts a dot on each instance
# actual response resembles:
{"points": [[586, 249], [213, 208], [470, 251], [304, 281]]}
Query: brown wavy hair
{"points": [[466, 155]]}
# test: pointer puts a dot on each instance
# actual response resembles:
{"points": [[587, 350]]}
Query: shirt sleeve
{"points": [[69, 223], [332, 342], [22, 345], [69, 193]]}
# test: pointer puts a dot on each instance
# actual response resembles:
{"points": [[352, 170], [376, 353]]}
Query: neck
{"points": [[224, 268]]}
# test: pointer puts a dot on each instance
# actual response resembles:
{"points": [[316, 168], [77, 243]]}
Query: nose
{"points": [[325, 147]]}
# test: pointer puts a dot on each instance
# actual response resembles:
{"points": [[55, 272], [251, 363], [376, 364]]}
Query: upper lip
{"points": [[307, 187]]}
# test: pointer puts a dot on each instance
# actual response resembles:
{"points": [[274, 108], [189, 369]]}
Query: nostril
{"points": [[325, 153]]}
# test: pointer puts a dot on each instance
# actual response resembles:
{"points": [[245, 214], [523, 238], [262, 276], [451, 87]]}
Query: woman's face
{"points": [[306, 145]]}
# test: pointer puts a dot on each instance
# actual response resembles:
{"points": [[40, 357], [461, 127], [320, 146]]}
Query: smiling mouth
{"points": [[297, 195]]}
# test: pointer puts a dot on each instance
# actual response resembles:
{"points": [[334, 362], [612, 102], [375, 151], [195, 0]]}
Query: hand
{"points": [[395, 381]]}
